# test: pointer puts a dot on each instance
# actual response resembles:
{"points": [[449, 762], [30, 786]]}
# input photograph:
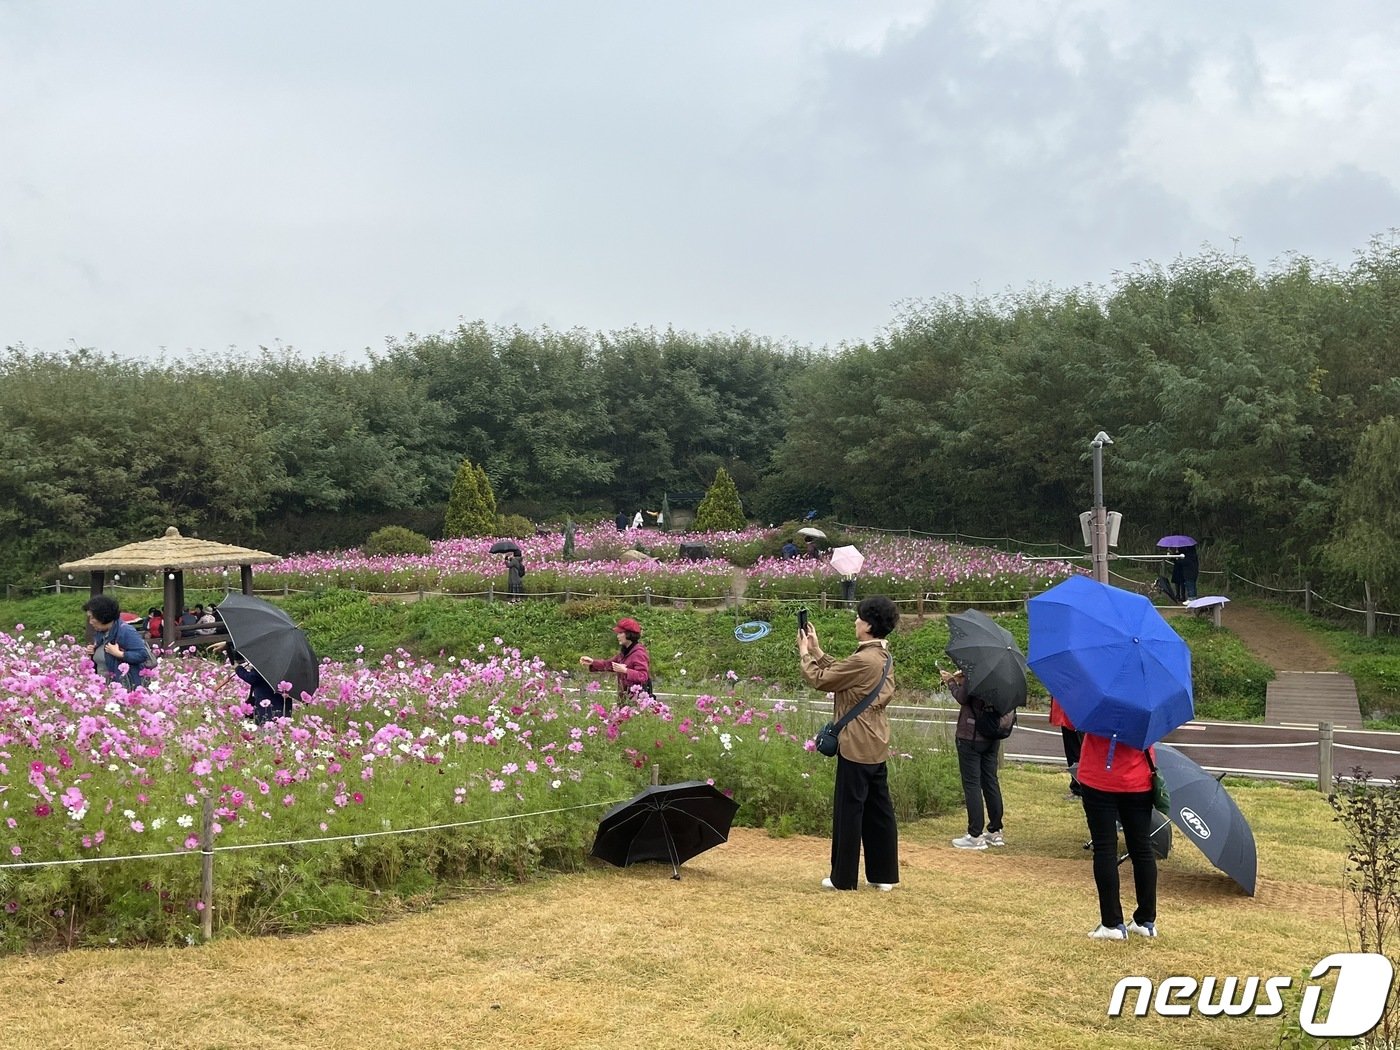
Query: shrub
{"points": [[471, 507], [395, 539], [516, 526], [720, 510]]}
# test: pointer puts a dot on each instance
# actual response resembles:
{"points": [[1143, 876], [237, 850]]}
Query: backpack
{"points": [[991, 725]]}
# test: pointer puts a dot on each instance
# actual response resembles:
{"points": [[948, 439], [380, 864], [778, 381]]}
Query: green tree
{"points": [[720, 510], [1365, 544], [471, 507]]}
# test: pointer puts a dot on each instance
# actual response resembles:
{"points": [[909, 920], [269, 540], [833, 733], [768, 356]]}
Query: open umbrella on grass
{"points": [[667, 822], [1206, 814]]}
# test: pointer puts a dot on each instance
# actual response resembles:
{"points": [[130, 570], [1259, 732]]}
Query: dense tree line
{"points": [[1254, 409]]}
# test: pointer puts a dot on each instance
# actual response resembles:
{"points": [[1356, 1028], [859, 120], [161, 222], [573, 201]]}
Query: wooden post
{"points": [[170, 609], [1324, 757], [921, 605], [490, 592], [58, 586], [655, 774], [245, 579], [206, 843], [285, 587], [647, 592], [1370, 612], [823, 599], [1307, 597]]}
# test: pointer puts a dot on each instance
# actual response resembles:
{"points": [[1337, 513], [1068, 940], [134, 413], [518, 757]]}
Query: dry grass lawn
{"points": [[745, 951]]}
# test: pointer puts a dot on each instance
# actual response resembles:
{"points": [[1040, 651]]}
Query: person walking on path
{"points": [[862, 813], [1070, 738], [115, 643], [632, 665], [1116, 785], [977, 765]]}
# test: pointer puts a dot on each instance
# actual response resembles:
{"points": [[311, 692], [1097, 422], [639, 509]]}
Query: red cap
{"points": [[628, 624]]}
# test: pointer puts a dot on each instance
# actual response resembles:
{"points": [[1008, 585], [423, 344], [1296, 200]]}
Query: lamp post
{"points": [[1099, 531]]}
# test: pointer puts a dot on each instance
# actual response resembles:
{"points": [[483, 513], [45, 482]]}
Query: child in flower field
{"points": [[632, 665]]}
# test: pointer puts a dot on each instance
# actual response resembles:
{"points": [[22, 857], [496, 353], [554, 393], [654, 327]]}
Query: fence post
{"points": [[490, 592], [647, 591], [1324, 757], [823, 599], [1370, 612], [58, 586], [206, 840], [284, 588], [921, 605], [655, 774], [1307, 597]]}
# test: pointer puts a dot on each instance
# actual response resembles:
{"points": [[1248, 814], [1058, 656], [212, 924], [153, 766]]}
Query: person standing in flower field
{"points": [[632, 665], [115, 643], [862, 812], [515, 573]]}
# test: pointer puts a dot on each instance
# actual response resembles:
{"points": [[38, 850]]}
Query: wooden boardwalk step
{"points": [[1310, 697]]}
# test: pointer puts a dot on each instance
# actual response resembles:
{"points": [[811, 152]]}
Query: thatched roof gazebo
{"points": [[170, 555]]}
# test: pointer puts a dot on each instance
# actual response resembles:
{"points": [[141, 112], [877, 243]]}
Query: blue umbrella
{"points": [[1113, 663]]}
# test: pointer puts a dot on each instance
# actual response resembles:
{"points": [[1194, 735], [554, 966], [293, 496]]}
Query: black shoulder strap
{"points": [[853, 712]]}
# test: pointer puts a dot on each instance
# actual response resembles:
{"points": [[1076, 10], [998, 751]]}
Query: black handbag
{"points": [[828, 736]]}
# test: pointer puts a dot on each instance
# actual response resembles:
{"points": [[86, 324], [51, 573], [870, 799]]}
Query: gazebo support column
{"points": [[171, 619], [245, 577], [98, 582]]}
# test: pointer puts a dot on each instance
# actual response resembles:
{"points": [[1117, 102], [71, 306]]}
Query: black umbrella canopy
{"points": [[1208, 816], [988, 655], [668, 822], [505, 547], [272, 642]]}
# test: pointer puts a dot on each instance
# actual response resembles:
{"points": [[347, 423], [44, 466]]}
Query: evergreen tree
{"points": [[720, 510], [470, 511]]}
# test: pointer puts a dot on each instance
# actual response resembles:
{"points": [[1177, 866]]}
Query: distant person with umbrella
{"points": [[977, 766], [811, 548], [515, 573], [862, 814], [267, 703], [632, 664]]}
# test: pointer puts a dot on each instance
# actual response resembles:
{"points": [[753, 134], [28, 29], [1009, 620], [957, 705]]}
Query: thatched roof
{"points": [[171, 551]]}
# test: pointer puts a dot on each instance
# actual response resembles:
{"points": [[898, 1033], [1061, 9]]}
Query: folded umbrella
{"points": [[666, 822], [988, 655], [271, 641], [1208, 816], [1116, 667], [505, 547]]}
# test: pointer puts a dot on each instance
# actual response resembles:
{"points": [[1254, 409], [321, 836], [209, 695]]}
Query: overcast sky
{"points": [[327, 175]]}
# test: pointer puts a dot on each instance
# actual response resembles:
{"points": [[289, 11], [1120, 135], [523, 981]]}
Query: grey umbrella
{"points": [[1208, 816], [988, 655]]}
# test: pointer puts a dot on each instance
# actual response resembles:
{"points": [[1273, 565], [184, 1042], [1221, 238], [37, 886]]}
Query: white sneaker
{"points": [[883, 887], [994, 838], [1109, 933], [827, 884], [1144, 929], [969, 842]]}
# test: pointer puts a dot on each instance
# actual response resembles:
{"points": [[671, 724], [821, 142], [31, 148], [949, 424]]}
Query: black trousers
{"points": [[977, 763], [1104, 811], [863, 815]]}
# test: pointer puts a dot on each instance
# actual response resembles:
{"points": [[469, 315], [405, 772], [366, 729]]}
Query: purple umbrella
{"points": [[1176, 541]]}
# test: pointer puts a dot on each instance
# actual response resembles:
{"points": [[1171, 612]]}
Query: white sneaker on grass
{"points": [[1109, 933], [969, 842], [827, 884], [1142, 929], [883, 887], [994, 838]]}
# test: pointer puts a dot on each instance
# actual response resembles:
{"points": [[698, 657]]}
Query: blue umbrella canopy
{"points": [[1113, 663]]}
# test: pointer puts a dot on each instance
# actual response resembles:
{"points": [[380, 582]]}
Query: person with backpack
{"points": [[515, 574], [862, 812], [1115, 784], [978, 736]]}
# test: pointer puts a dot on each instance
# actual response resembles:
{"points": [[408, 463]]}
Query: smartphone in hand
{"points": [[801, 621]]}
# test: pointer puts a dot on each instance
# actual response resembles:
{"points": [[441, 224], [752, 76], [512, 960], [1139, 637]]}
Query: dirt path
{"points": [[1279, 643]]}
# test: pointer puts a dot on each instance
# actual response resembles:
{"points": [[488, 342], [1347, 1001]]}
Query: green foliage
{"points": [[720, 510], [1364, 546], [515, 526], [395, 539], [471, 506]]}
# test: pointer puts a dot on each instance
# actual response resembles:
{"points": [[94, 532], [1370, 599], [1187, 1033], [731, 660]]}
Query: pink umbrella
{"points": [[847, 560]]}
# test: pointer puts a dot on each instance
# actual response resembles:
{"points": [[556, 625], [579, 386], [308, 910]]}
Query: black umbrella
{"points": [[988, 655], [667, 822], [505, 547], [272, 642], [1208, 816]]}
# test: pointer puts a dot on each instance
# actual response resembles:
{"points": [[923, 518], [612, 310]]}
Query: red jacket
{"points": [[1129, 772], [638, 665], [1058, 716]]}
